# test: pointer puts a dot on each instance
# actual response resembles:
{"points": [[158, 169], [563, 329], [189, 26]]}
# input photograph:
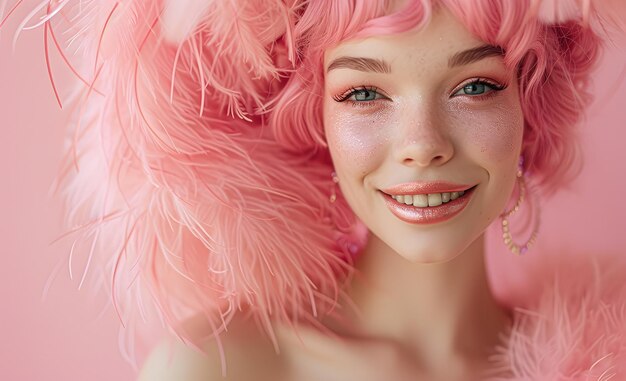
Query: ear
{"points": [[180, 17]]}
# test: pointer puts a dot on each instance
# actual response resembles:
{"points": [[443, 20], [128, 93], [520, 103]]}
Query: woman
{"points": [[325, 171]]}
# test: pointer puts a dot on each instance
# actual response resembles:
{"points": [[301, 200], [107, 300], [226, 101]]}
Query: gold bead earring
{"points": [[333, 192], [509, 242]]}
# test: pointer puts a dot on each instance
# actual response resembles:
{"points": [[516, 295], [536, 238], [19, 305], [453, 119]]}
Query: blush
{"points": [[494, 130], [357, 137]]}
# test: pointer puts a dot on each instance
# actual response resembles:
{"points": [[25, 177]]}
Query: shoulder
{"points": [[173, 360], [575, 324], [243, 354]]}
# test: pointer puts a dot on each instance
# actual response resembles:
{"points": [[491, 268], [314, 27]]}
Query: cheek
{"points": [[356, 141], [495, 134]]}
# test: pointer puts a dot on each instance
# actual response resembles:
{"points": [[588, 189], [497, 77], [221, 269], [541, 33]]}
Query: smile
{"points": [[428, 208], [426, 200]]}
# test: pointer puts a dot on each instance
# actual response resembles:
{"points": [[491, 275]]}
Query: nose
{"points": [[423, 141]]}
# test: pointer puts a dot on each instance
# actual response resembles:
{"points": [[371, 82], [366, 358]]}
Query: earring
{"points": [[515, 248], [333, 193]]}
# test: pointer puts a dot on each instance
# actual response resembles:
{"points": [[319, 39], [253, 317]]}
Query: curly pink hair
{"points": [[553, 64]]}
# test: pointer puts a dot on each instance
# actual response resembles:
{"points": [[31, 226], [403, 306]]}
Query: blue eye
{"points": [[474, 88], [360, 95], [364, 95], [479, 87]]}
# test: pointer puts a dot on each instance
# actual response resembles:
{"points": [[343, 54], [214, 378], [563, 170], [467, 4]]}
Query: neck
{"points": [[439, 309]]}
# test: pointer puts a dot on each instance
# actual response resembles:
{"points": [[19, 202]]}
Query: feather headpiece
{"points": [[173, 180]]}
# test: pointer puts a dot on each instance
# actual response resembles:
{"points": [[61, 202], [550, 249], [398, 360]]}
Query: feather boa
{"points": [[573, 328], [179, 194]]}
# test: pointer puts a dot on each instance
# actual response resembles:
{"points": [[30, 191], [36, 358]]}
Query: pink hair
{"points": [[197, 173], [553, 64]]}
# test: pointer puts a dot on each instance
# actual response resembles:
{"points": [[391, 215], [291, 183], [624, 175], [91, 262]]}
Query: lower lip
{"points": [[431, 214]]}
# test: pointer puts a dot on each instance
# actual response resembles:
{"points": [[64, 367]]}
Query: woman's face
{"points": [[414, 119]]}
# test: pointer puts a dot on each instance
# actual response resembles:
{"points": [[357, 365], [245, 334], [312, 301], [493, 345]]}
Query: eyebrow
{"points": [[474, 54], [360, 64], [375, 65]]}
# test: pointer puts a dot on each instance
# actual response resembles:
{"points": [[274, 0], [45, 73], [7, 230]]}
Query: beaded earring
{"points": [[509, 242]]}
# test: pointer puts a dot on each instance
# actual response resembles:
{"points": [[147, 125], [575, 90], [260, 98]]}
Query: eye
{"points": [[361, 94], [365, 95], [478, 87]]}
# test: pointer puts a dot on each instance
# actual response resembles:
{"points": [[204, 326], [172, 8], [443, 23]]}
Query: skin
{"points": [[424, 290], [424, 309]]}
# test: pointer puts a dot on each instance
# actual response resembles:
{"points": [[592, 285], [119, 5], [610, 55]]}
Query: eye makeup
{"points": [[371, 94], [362, 92], [477, 83]]}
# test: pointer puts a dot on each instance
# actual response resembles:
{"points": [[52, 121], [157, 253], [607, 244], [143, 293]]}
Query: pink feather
{"points": [[179, 191], [599, 14], [573, 327], [195, 173]]}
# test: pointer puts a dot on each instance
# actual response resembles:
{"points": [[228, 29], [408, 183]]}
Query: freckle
{"points": [[494, 131], [358, 137]]}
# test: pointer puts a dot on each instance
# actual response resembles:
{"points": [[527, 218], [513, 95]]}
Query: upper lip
{"points": [[425, 187]]}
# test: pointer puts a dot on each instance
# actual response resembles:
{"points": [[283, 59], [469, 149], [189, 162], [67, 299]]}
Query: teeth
{"points": [[434, 199], [424, 200], [420, 200]]}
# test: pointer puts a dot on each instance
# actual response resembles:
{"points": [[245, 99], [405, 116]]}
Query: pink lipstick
{"points": [[429, 214], [426, 187]]}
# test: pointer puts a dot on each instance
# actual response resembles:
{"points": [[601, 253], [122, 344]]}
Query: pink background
{"points": [[67, 336]]}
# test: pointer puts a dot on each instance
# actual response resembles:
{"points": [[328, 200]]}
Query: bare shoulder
{"points": [[249, 355], [173, 360]]}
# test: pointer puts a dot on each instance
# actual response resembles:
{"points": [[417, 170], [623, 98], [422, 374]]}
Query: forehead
{"points": [[442, 36]]}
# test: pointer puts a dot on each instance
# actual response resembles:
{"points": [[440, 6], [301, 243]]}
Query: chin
{"points": [[429, 252], [428, 256]]}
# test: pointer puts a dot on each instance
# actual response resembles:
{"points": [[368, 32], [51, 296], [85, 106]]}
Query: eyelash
{"points": [[345, 96], [353, 91]]}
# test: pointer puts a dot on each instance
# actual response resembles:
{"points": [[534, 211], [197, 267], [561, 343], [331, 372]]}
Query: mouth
{"points": [[428, 200], [428, 208]]}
